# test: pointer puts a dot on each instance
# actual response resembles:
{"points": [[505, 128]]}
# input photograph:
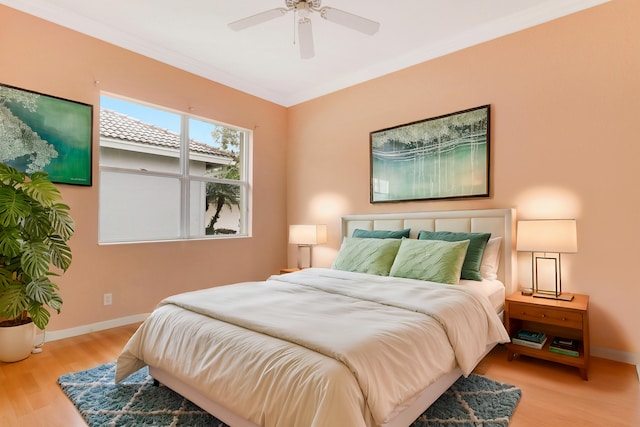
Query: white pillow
{"points": [[491, 259]]}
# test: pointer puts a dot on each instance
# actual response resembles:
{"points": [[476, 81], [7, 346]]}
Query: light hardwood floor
{"points": [[552, 395]]}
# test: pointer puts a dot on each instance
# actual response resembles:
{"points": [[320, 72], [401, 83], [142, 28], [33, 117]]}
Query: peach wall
{"points": [[565, 99], [43, 57]]}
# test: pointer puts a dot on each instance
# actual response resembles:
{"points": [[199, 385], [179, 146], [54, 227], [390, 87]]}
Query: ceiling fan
{"points": [[304, 8]]}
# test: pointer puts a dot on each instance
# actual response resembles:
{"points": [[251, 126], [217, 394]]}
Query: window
{"points": [[170, 176]]}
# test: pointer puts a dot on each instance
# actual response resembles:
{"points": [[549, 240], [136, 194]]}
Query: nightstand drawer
{"points": [[558, 317]]}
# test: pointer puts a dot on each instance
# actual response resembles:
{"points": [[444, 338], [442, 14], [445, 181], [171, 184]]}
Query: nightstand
{"points": [[289, 270], [567, 319]]}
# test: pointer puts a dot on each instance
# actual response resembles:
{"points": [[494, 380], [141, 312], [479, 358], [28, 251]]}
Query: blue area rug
{"points": [[470, 402]]}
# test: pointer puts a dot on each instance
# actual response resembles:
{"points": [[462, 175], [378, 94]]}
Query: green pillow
{"points": [[381, 234], [373, 256], [473, 259], [432, 260]]}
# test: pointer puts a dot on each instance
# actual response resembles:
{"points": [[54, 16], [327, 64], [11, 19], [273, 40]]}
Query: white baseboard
{"points": [[618, 356], [85, 329]]}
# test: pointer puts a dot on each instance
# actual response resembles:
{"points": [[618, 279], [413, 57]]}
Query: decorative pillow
{"points": [[477, 243], [491, 259], [373, 256], [432, 260], [381, 234]]}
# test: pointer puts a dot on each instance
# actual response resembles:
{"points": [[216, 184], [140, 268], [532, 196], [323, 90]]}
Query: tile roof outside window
{"points": [[120, 126]]}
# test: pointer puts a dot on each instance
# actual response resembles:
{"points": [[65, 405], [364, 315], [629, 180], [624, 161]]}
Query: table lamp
{"points": [[547, 240], [305, 236]]}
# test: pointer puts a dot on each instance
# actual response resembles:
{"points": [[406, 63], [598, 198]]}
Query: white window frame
{"points": [[186, 179]]}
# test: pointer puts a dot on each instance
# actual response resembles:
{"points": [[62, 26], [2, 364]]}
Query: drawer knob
{"points": [[544, 315]]}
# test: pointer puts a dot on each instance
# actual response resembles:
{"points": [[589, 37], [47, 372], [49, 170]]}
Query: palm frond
{"points": [[10, 245], [6, 280], [39, 315], [60, 252], [10, 175], [14, 206], [13, 301], [37, 225], [61, 220], [35, 259], [55, 303], [41, 189], [41, 290]]}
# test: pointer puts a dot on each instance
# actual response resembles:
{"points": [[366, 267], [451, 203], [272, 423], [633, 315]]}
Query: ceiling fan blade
{"points": [[305, 37], [350, 20], [250, 21]]}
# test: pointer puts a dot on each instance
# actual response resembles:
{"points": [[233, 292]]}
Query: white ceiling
{"points": [[193, 35]]}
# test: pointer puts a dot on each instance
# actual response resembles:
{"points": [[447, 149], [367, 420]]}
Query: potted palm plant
{"points": [[34, 230]]}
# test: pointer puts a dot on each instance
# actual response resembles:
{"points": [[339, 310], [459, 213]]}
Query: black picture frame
{"points": [[41, 132], [443, 157]]}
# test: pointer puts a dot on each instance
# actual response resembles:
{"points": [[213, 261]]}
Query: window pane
{"points": [[214, 150], [138, 137], [138, 207], [215, 209]]}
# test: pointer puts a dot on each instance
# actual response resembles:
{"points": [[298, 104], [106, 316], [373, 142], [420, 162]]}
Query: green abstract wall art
{"points": [[44, 133], [444, 157]]}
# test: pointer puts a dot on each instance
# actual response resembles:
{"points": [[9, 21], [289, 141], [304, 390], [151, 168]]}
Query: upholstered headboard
{"points": [[498, 222]]}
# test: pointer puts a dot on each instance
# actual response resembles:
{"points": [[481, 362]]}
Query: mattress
{"points": [[494, 290]]}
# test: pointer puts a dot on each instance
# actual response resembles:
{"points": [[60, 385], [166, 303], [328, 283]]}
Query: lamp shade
{"points": [[302, 234], [547, 235]]}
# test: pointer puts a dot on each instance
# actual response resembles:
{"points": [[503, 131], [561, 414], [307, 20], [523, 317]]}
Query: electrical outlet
{"points": [[107, 299]]}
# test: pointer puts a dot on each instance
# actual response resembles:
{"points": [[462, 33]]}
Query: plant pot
{"points": [[16, 342]]}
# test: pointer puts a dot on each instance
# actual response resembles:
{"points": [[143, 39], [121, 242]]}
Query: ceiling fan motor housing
{"points": [[303, 4]]}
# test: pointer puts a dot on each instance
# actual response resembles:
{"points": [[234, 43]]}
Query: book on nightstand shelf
{"points": [[529, 338], [526, 343], [566, 346], [532, 336]]}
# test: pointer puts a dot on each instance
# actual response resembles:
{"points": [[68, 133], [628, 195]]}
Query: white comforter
{"points": [[318, 347]]}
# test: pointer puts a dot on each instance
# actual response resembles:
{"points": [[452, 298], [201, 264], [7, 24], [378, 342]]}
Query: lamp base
{"points": [[560, 297], [300, 247]]}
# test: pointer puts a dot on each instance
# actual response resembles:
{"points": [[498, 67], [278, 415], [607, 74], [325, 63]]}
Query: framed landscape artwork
{"points": [[44, 133], [444, 157]]}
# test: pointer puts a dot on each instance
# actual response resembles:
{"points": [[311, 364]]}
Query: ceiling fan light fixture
{"points": [[303, 9]]}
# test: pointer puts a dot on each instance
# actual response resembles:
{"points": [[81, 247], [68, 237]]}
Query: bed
{"points": [[331, 346]]}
